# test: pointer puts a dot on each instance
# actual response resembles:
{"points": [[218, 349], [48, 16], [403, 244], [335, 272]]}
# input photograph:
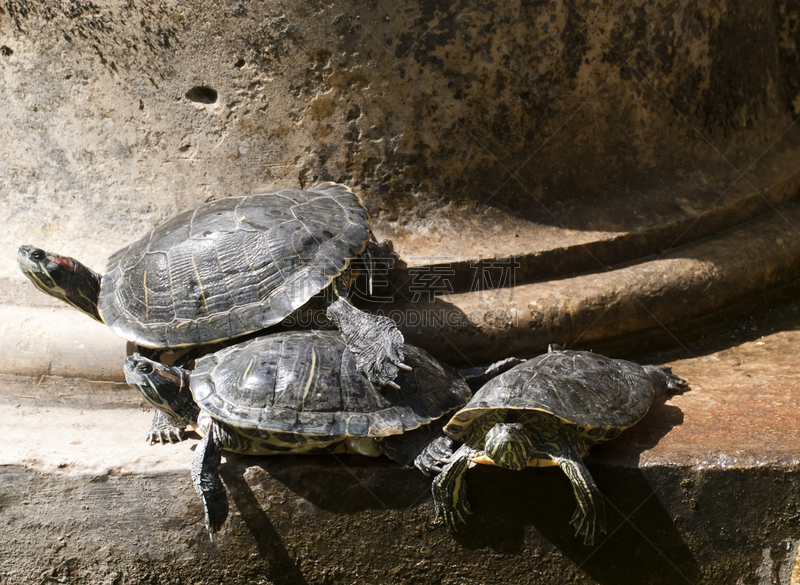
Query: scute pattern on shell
{"points": [[306, 383], [582, 388], [232, 266]]}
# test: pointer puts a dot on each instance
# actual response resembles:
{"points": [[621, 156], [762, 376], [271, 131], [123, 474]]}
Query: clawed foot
{"points": [[164, 430], [374, 341], [450, 493], [381, 356], [166, 435], [207, 484], [435, 456], [588, 524]]}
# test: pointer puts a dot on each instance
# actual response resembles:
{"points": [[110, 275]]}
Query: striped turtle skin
{"points": [[232, 266], [548, 411]]}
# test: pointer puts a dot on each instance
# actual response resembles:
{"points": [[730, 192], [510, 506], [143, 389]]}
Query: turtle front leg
{"points": [[165, 429], [374, 341], [207, 484], [590, 515], [556, 442], [435, 455], [450, 490]]}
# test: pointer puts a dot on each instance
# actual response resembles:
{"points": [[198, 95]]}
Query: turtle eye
{"points": [[38, 255], [145, 368]]}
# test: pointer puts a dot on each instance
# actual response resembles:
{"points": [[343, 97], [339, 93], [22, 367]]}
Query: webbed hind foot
{"points": [[374, 341]]}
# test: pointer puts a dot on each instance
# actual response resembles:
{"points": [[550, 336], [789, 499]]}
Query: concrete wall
{"points": [[570, 137], [449, 120]]}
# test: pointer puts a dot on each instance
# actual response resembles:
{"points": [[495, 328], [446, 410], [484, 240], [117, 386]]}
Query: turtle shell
{"points": [[593, 392], [306, 383], [232, 266]]}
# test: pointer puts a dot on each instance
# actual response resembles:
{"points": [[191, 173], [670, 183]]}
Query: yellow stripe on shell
{"points": [[311, 374], [200, 282], [247, 369]]}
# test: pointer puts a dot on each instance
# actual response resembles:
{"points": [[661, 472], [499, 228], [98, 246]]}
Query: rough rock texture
{"points": [[571, 136], [455, 123], [704, 490], [557, 138]]}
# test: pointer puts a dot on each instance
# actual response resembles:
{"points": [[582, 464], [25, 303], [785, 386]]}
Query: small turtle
{"points": [[548, 411], [300, 392], [230, 268]]}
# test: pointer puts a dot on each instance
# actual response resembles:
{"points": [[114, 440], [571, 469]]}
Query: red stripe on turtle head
{"points": [[63, 262], [169, 375]]}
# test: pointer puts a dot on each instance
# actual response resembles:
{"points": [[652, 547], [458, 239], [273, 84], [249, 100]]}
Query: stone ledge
{"points": [[593, 237], [704, 490], [699, 282], [39, 341], [296, 522]]}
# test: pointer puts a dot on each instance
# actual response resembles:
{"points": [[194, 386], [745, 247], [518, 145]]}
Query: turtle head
{"points": [[509, 445], [665, 383], [164, 387], [61, 277]]}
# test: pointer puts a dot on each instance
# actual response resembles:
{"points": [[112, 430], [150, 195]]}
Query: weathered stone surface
{"points": [[688, 287], [43, 341], [567, 137], [573, 136], [455, 123], [704, 490]]}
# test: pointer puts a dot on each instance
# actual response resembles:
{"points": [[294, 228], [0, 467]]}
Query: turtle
{"points": [[230, 268], [300, 392], [548, 411]]}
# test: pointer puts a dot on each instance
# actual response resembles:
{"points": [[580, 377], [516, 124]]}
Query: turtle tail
{"points": [[666, 383]]}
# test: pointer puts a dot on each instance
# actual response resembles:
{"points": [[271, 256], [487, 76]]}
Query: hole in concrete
{"points": [[239, 64], [6, 51], [202, 95], [354, 113]]}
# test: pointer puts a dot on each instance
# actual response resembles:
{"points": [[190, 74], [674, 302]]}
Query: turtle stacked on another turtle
{"points": [[230, 268], [235, 266], [548, 411], [300, 392]]}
